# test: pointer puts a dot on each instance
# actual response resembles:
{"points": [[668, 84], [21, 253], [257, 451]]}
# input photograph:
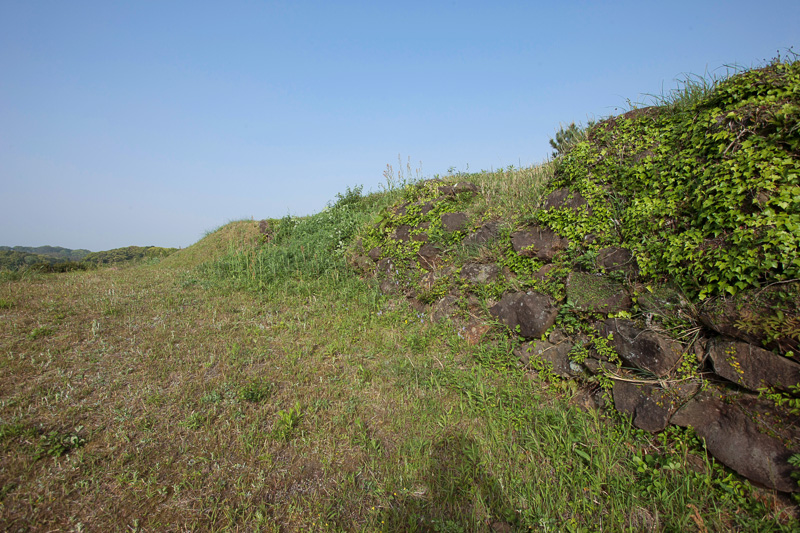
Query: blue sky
{"points": [[149, 123]]}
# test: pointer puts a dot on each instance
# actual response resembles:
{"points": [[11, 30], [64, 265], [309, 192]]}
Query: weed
{"points": [[256, 391], [287, 421], [55, 444], [40, 331]]}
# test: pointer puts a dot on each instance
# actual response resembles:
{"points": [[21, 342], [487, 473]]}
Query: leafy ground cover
{"points": [[255, 383]]}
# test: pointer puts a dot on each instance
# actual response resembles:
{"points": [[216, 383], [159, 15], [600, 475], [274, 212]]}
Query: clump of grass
{"points": [[40, 331], [256, 391], [287, 421], [6, 303], [56, 444]]}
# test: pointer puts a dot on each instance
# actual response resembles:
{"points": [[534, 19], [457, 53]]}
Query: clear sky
{"points": [[149, 123]]}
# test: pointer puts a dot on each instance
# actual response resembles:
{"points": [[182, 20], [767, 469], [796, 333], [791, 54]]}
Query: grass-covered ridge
{"points": [[706, 194], [255, 381]]}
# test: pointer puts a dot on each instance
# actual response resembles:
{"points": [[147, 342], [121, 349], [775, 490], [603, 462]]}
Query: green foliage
{"points": [[256, 391], [708, 195], [55, 444], [40, 331], [314, 246], [129, 253], [6, 303], [287, 422], [567, 138]]}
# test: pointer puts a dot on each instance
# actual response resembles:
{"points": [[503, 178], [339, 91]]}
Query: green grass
{"points": [[267, 388]]}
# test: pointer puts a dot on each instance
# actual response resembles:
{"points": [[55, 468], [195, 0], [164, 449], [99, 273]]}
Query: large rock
{"points": [[734, 437], [768, 317], [529, 314], [643, 349], [650, 406], [556, 354], [486, 233], [454, 221], [401, 233], [463, 186], [615, 258], [479, 273], [540, 242], [445, 308], [428, 256], [565, 198], [597, 293], [753, 367]]}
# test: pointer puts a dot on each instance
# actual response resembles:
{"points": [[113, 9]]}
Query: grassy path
{"points": [[153, 399]]}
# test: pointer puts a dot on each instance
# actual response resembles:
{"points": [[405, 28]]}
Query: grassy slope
{"points": [[245, 386]]}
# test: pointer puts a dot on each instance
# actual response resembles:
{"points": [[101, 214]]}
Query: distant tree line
{"points": [[57, 259]]}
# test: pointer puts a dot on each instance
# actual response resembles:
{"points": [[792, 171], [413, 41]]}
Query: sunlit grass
{"points": [[274, 390]]}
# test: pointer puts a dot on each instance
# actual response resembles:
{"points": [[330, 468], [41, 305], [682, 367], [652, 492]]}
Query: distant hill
{"points": [[57, 259], [129, 253], [50, 251]]}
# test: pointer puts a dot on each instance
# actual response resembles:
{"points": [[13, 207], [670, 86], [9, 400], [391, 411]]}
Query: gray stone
{"points": [[480, 273], [529, 314], [452, 190], [543, 274], [486, 233], [565, 198], [390, 286], [428, 256], [445, 308], [557, 355], [454, 221], [753, 367], [734, 438], [614, 259], [386, 265], [650, 406], [540, 242], [375, 253], [401, 233], [597, 293], [756, 315], [643, 349]]}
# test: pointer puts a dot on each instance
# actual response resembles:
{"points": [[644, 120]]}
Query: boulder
{"points": [[543, 274], [768, 317], [565, 198], [401, 233], [615, 258], [557, 355], [390, 286], [537, 241], [428, 256], [529, 314], [480, 273], [387, 266], [644, 349], [419, 233], [650, 406], [597, 293], [735, 438], [486, 233], [452, 190], [454, 221], [753, 367], [445, 308]]}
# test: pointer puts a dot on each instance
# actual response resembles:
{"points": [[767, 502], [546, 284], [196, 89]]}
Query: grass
{"points": [[264, 387]]}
